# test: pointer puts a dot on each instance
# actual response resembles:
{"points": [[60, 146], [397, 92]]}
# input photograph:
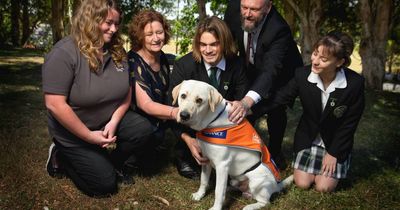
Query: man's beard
{"points": [[251, 27]]}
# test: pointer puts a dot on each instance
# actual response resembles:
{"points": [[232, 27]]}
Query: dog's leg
{"points": [[259, 188], [204, 179], [220, 186], [262, 185]]}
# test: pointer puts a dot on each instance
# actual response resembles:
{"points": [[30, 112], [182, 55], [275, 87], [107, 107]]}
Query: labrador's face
{"points": [[195, 99]]}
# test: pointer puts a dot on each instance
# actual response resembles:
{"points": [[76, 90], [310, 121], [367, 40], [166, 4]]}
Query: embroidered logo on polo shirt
{"points": [[120, 69]]}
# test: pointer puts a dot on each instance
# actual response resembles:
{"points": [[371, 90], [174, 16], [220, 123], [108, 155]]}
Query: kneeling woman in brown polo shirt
{"points": [[86, 91]]}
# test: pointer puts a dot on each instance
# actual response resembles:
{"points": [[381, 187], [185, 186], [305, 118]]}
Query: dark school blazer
{"points": [[337, 123], [232, 83], [277, 55]]}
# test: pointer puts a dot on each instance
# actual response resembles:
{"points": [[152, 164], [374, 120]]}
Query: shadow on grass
{"points": [[21, 52], [25, 73]]}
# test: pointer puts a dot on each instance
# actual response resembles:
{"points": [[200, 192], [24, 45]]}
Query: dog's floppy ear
{"points": [[214, 97], [175, 93]]}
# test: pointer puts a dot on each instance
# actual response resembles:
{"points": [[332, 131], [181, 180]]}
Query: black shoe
{"points": [[125, 175], [124, 178], [186, 170], [53, 166]]}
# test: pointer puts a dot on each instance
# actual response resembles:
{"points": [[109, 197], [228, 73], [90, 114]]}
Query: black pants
{"points": [[182, 152], [137, 136], [277, 121], [92, 168]]}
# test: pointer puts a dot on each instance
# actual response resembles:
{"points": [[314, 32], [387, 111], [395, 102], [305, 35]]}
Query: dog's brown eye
{"points": [[183, 96], [199, 101]]}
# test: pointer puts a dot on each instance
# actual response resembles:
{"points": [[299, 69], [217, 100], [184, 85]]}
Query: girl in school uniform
{"points": [[332, 98]]}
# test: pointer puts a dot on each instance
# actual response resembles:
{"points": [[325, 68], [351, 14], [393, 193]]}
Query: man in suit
{"points": [[213, 60], [270, 56]]}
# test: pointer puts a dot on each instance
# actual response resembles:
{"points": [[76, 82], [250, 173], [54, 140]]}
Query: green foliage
{"points": [[39, 11], [5, 23], [185, 26], [130, 8], [218, 7], [342, 15], [163, 6], [393, 45]]}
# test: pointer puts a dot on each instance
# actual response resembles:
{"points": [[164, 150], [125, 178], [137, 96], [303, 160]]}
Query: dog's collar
{"points": [[220, 113], [252, 168]]}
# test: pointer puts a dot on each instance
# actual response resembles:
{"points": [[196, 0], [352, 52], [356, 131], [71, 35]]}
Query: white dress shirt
{"points": [[339, 82], [255, 34]]}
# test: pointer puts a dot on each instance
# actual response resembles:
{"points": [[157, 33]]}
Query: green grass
{"points": [[374, 181]]}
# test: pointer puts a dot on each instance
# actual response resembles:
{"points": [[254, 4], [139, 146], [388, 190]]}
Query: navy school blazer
{"points": [[337, 123]]}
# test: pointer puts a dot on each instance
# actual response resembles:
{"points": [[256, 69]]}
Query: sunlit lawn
{"points": [[374, 181]]}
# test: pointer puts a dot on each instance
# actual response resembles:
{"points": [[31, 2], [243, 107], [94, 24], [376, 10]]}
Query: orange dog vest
{"points": [[242, 136]]}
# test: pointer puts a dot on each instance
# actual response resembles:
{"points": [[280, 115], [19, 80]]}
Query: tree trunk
{"points": [[310, 13], [290, 16], [390, 57], [375, 18], [57, 26], [15, 26], [201, 5], [26, 30], [75, 4]]}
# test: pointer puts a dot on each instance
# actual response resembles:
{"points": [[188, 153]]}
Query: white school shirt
{"points": [[339, 82]]}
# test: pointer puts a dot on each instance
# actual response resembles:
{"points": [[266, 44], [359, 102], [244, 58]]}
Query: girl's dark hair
{"points": [[338, 44]]}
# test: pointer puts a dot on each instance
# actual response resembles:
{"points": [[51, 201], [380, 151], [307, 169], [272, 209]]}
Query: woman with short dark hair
{"points": [[142, 146]]}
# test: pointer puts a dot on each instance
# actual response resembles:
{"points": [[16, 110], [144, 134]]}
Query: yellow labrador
{"points": [[202, 107]]}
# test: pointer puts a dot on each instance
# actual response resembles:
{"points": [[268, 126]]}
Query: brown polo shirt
{"points": [[93, 96]]}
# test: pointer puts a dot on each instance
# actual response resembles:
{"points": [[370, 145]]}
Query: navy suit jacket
{"points": [[337, 123], [232, 82], [277, 55]]}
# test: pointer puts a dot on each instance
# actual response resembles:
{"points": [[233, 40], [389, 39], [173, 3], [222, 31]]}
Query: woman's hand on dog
{"points": [[195, 149]]}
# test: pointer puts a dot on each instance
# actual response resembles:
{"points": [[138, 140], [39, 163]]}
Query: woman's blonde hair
{"points": [[139, 22], [88, 36], [220, 30]]}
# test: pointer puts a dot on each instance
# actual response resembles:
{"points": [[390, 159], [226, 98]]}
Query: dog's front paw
{"points": [[215, 208], [198, 195]]}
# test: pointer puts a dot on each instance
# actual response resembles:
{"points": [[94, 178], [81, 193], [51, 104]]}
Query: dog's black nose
{"points": [[184, 115]]}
